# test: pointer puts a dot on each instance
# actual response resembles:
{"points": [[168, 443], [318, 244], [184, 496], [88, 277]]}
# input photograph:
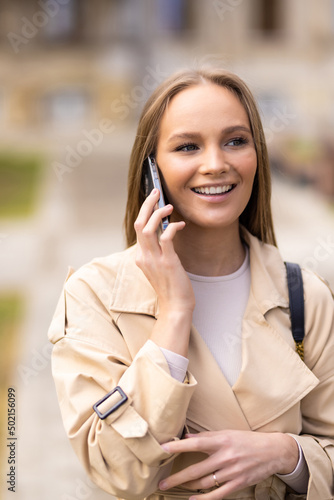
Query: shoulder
{"points": [[113, 283], [101, 271], [103, 279], [319, 301], [88, 292], [319, 323], [316, 287]]}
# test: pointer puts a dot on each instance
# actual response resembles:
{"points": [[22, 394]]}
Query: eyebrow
{"points": [[194, 135]]}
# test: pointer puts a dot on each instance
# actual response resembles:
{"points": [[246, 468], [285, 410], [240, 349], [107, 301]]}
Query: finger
{"points": [[148, 220], [201, 435], [155, 219], [197, 442], [190, 474], [219, 493], [167, 237], [216, 494], [146, 210], [208, 481], [148, 236], [204, 483]]}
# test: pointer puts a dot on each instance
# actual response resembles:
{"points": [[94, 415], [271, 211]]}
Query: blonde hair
{"points": [[256, 217]]}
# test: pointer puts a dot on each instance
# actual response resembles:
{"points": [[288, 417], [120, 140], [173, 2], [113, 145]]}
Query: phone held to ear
{"points": [[151, 181]]}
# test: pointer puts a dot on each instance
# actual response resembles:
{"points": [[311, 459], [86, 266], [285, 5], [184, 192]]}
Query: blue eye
{"points": [[238, 141], [187, 147]]}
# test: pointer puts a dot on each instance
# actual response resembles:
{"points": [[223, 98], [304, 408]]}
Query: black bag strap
{"points": [[296, 299]]}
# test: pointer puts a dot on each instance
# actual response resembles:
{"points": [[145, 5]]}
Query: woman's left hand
{"points": [[237, 458]]}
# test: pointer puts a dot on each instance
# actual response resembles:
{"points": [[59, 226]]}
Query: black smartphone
{"points": [[151, 181]]}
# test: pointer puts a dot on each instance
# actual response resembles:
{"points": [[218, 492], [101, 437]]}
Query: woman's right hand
{"points": [[161, 265]]}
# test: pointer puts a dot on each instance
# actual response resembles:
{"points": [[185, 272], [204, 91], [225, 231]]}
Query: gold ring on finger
{"points": [[215, 480]]}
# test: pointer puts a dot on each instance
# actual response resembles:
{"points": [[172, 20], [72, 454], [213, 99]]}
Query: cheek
{"points": [[174, 177], [249, 167], [169, 184], [175, 186]]}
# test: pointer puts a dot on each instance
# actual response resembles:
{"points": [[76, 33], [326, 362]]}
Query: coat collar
{"points": [[133, 293], [268, 274]]}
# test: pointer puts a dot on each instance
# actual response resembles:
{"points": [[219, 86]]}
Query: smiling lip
{"points": [[213, 190]]}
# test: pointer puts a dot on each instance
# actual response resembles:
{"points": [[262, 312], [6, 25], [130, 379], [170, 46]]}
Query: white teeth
{"points": [[213, 189]]}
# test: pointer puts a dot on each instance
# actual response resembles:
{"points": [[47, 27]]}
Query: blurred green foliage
{"points": [[20, 176], [11, 313], [10, 310]]}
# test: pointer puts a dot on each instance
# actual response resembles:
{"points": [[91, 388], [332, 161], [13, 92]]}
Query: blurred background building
{"points": [[66, 64], [74, 75]]}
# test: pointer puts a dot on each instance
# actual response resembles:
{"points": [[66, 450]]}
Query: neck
{"points": [[210, 252]]}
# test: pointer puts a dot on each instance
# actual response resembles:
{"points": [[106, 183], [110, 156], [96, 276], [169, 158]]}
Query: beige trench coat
{"points": [[100, 332]]}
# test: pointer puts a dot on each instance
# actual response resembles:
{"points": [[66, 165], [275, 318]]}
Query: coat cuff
{"points": [[299, 478], [155, 409], [319, 456], [177, 364]]}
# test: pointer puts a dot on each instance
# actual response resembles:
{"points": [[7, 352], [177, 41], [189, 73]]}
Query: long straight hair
{"points": [[257, 216]]}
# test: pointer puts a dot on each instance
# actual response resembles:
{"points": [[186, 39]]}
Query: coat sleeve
{"points": [[121, 453], [317, 438]]}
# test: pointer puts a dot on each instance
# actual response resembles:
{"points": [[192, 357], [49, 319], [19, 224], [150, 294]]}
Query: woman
{"points": [[182, 343]]}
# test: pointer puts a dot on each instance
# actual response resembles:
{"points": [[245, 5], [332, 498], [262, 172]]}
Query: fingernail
{"points": [[163, 485], [154, 191], [165, 447]]}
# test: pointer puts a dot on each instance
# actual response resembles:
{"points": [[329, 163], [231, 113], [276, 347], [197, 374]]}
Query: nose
{"points": [[215, 162]]}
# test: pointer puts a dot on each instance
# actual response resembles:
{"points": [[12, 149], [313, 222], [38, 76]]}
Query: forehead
{"points": [[208, 102]]}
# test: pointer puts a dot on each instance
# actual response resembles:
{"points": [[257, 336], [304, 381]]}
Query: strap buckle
{"points": [[123, 399]]}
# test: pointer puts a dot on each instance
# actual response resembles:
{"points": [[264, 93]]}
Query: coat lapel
{"points": [[273, 378], [213, 405]]}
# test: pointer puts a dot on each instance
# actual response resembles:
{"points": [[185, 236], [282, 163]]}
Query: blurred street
{"points": [[75, 222], [304, 223]]}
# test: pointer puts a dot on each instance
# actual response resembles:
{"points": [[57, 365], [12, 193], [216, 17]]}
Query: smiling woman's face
{"points": [[206, 156]]}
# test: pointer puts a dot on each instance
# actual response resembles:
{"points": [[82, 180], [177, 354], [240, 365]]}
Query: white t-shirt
{"points": [[220, 305]]}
